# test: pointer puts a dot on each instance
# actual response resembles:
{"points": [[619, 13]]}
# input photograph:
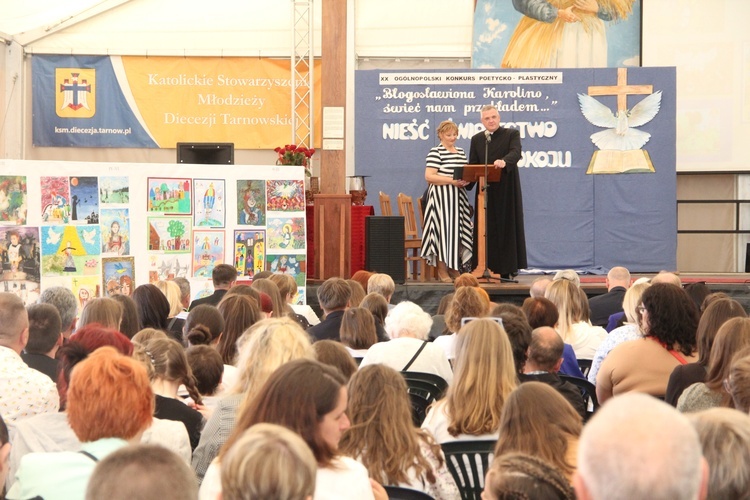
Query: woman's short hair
{"points": [[268, 461], [446, 126], [333, 353], [358, 328], [147, 334], [408, 317], [240, 313], [632, 300], [358, 293], [203, 325], [376, 304], [297, 395], [519, 335], [152, 305], [109, 396], [672, 317], [381, 283], [171, 291], [540, 312], [520, 476], [129, 323], [103, 310], [467, 302], [716, 314], [207, 367]]}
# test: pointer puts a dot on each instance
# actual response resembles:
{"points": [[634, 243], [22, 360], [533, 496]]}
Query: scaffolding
{"points": [[302, 74]]}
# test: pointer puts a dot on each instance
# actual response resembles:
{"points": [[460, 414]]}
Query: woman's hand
{"points": [[461, 183], [566, 15]]}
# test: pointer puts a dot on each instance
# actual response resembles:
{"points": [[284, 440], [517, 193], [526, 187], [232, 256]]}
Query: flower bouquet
{"points": [[291, 154]]}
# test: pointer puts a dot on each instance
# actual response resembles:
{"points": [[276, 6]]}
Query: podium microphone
{"points": [[488, 135]]}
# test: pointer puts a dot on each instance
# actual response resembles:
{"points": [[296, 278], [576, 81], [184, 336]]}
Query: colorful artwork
{"points": [[169, 234], [251, 203], [301, 298], [118, 275], [19, 253], [13, 199], [115, 225], [285, 196], [84, 200], [55, 192], [85, 288], [208, 251], [168, 266], [249, 252], [200, 288], [114, 190], [286, 233], [294, 265], [210, 202], [169, 196], [71, 250]]}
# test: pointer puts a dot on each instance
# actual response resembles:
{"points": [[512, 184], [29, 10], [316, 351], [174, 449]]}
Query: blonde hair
{"points": [[467, 302], [105, 311], [567, 298], [147, 334], [268, 461], [631, 301], [485, 375], [286, 284], [171, 291], [446, 126]]}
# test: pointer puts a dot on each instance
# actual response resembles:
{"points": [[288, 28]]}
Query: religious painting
{"points": [[169, 196], [118, 275], [114, 190], [55, 199], [168, 266], [544, 34], [295, 265], [249, 252], [115, 225], [286, 233], [210, 202], [13, 206], [71, 250], [251, 203], [85, 288], [84, 200], [19, 250], [208, 251], [285, 196], [169, 234]]}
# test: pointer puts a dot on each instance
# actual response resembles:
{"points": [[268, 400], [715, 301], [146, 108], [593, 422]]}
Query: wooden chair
{"points": [[385, 204], [430, 271], [412, 241]]}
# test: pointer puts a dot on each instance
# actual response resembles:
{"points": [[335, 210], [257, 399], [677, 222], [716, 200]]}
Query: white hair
{"points": [[639, 447], [408, 317]]}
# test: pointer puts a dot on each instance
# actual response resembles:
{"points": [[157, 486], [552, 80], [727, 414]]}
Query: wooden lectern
{"points": [[475, 173]]}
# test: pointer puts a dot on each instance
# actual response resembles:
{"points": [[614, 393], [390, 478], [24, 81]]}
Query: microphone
{"points": [[488, 136]]}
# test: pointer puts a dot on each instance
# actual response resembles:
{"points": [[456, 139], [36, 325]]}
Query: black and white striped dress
{"points": [[447, 229]]}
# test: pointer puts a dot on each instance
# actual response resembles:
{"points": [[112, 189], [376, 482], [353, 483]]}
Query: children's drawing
{"points": [[169, 196], [55, 194], [169, 234], [208, 251], [200, 288], [210, 202], [19, 253], [118, 275], [85, 288], [294, 265], [301, 298], [249, 252], [285, 196], [168, 266], [13, 199], [251, 203], [71, 250], [115, 225], [286, 233], [84, 200], [114, 190]]}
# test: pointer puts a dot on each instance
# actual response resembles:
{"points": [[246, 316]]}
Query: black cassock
{"points": [[506, 241]]}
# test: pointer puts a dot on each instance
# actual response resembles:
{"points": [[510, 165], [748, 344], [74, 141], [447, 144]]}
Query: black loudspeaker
{"points": [[385, 246], [747, 258]]}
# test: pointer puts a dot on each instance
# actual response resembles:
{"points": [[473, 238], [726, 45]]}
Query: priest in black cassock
{"points": [[506, 241]]}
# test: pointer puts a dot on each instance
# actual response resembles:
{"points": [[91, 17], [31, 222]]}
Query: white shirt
{"points": [[437, 422], [397, 353], [448, 343], [24, 391], [585, 339]]}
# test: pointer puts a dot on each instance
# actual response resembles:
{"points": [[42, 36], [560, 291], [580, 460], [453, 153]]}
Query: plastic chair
{"points": [[385, 204], [468, 461], [588, 391], [585, 366], [424, 389], [398, 493]]}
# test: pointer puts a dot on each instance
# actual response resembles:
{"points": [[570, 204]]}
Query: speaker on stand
{"points": [[385, 251]]}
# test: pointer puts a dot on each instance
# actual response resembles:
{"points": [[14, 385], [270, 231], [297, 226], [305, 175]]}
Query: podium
{"points": [[475, 173]]}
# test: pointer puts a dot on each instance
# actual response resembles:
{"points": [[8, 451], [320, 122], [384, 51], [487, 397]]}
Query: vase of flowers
{"points": [[291, 154]]}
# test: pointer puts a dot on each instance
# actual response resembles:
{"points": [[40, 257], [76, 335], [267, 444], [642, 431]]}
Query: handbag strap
{"points": [[416, 355], [92, 457]]}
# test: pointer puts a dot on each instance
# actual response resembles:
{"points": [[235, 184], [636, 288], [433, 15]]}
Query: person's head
{"points": [[465, 279], [710, 298], [109, 396], [636, 446], [697, 291], [490, 117], [65, 302], [545, 351], [45, 329], [223, 276], [129, 323], [358, 328], [407, 319], [376, 304], [262, 275], [244, 290], [383, 284], [333, 353], [184, 285], [632, 300], [166, 361], [14, 322], [484, 377], [738, 381], [171, 291], [568, 275], [570, 303], [521, 476], [362, 277], [445, 303], [668, 315], [618, 276], [725, 436], [334, 294], [203, 325], [715, 315], [447, 129], [305, 396], [239, 313], [152, 306], [733, 336], [268, 287], [142, 471], [358, 293], [143, 336], [540, 312], [207, 366], [518, 329], [286, 285], [126, 285], [467, 303], [268, 461], [538, 420], [539, 286], [103, 310], [382, 433], [667, 277], [4, 452]]}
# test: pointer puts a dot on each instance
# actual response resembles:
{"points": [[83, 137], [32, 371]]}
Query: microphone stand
{"points": [[486, 274]]}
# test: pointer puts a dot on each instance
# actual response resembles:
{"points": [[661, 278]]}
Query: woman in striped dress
{"points": [[446, 238]]}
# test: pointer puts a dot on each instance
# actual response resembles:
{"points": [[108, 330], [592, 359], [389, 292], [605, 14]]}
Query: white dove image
{"points": [[53, 238], [88, 236], [621, 134]]}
